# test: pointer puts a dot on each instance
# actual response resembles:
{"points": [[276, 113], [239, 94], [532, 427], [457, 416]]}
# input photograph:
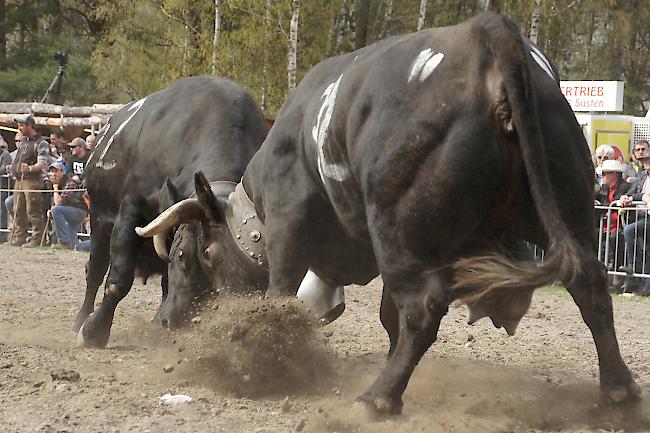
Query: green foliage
{"points": [[124, 49]]}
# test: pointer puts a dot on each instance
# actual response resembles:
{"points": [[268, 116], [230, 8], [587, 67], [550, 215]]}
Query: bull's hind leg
{"points": [[95, 271], [421, 303], [589, 292], [96, 330]]}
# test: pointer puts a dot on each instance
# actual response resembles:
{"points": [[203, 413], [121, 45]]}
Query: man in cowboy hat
{"points": [[614, 187]]}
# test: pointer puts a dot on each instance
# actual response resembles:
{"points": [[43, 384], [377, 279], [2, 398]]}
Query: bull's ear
{"points": [[168, 196], [211, 205]]}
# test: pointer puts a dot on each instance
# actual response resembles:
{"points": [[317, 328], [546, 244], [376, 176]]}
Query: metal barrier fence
{"points": [[623, 237], [6, 187]]}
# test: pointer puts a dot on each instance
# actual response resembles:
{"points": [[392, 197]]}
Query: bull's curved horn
{"points": [[160, 245], [182, 212]]}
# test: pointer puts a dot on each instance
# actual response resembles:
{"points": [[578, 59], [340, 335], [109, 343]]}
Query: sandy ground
{"points": [[253, 367]]}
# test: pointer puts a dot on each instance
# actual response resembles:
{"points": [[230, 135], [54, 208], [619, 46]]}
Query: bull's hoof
{"points": [[86, 339], [79, 321], [622, 393], [380, 407]]}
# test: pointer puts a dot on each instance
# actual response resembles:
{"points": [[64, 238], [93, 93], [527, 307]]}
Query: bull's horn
{"points": [[182, 212], [160, 245]]}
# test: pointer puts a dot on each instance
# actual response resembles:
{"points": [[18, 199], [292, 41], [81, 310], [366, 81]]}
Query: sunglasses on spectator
{"points": [[602, 157], [639, 150]]}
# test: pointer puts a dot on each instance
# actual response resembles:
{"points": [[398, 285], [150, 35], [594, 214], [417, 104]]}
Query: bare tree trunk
{"points": [[3, 35], [590, 39], [388, 16], [363, 19], [534, 21], [293, 43], [338, 29], [351, 22], [185, 48], [423, 14], [215, 37], [485, 5], [267, 46]]}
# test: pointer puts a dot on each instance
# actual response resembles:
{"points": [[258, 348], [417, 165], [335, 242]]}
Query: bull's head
{"points": [[195, 254]]}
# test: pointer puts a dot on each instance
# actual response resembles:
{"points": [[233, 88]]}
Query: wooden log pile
{"points": [[50, 115]]}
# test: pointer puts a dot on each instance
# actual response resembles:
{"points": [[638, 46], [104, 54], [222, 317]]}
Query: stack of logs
{"points": [[49, 116]]}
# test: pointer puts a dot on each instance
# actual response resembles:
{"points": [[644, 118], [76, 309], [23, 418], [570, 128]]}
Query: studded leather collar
{"points": [[245, 226]]}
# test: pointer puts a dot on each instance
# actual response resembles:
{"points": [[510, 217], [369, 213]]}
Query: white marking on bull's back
{"points": [[135, 106], [424, 64], [338, 172], [100, 138], [542, 61]]}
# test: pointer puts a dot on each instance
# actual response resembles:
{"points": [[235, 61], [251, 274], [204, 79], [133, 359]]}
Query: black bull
{"points": [[145, 160], [425, 158]]}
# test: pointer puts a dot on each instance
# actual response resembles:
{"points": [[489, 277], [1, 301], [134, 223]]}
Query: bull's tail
{"points": [[476, 277]]}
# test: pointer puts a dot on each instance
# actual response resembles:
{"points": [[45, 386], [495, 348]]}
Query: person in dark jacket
{"points": [[69, 209], [614, 187], [636, 232]]}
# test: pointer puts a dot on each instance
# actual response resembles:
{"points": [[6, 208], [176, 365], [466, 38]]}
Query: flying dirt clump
{"points": [[255, 347]]}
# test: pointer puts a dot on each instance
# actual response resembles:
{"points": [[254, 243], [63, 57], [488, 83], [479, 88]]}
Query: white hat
{"points": [[612, 165]]}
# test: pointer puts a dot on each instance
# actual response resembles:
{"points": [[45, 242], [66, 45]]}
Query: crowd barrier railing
{"points": [[623, 234], [7, 184]]}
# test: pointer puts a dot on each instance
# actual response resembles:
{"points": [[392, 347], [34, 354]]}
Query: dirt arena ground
{"points": [[474, 379]]}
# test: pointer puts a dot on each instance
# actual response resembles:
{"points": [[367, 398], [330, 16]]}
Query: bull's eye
{"points": [[180, 255], [207, 252]]}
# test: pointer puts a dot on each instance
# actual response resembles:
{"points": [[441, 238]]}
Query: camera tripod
{"points": [[56, 85]]}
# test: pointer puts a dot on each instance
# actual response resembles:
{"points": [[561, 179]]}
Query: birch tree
{"points": [[293, 43], [534, 22], [215, 37], [267, 37], [423, 14]]}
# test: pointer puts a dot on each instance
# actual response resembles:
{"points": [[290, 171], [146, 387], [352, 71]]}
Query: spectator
{"points": [[78, 158], [9, 201], [5, 160], [631, 173], [5, 156], [28, 166], [635, 231], [90, 142], [603, 152], [64, 156], [614, 187], [57, 138], [69, 209]]}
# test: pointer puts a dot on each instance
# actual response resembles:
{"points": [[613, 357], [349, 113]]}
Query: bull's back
{"points": [[200, 123]]}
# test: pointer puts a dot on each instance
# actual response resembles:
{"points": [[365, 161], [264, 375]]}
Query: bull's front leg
{"points": [[96, 330], [95, 271], [589, 291], [420, 309], [164, 286]]}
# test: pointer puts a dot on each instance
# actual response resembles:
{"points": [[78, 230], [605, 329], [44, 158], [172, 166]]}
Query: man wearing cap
{"points": [[68, 210], [78, 159], [28, 167]]}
